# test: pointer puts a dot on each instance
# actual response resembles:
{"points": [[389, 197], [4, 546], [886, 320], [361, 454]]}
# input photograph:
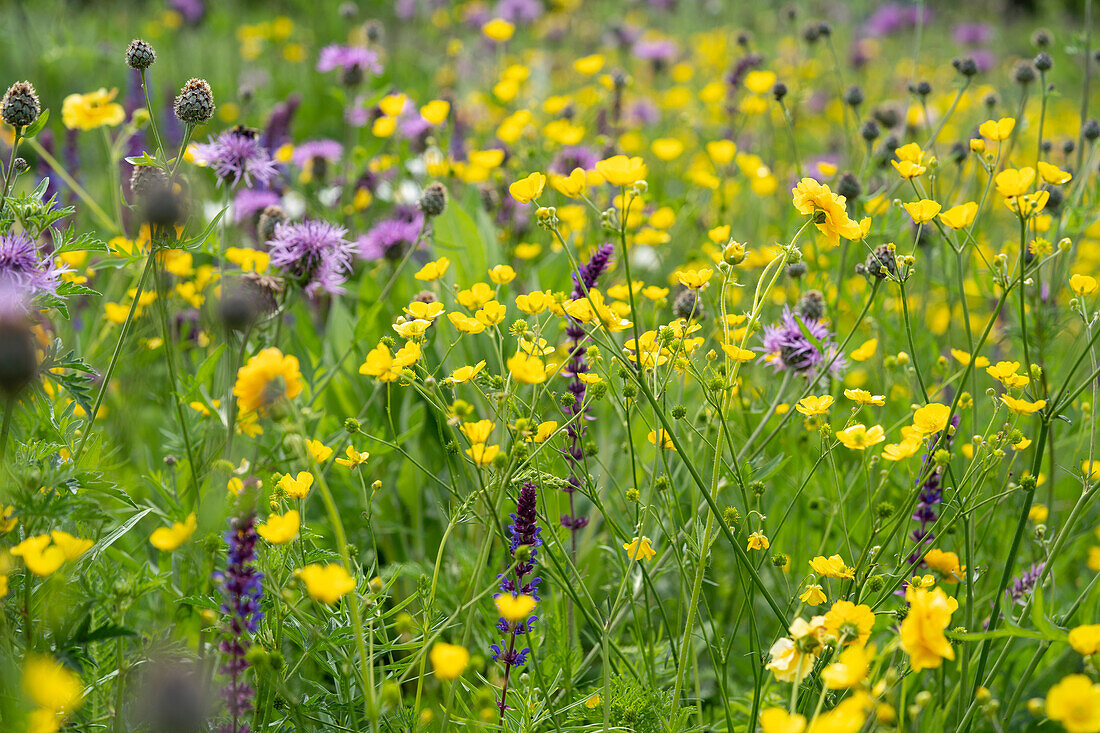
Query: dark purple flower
{"points": [[525, 533], [242, 589], [237, 155], [930, 494], [788, 345], [278, 124], [348, 58], [1024, 584], [192, 11], [313, 252], [389, 237], [23, 268], [583, 281]]}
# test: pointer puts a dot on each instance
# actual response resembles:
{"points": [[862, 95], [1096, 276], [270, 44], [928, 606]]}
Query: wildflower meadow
{"points": [[549, 365]]}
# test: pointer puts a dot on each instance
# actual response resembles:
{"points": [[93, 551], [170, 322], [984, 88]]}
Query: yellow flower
{"points": [[1075, 703], [814, 595], [280, 529], [932, 418], [353, 459], [923, 210], [1082, 285], [958, 217], [810, 406], [422, 311], [412, 330], [640, 548], [592, 701], [832, 567], [865, 350], [946, 563], [436, 111], [448, 660], [694, 279], [661, 439], [922, 629], [1052, 174], [860, 437], [168, 539], [433, 270], [7, 519], [863, 397], [72, 547], [831, 215], [792, 658], [544, 431], [527, 369], [620, 170], [319, 451], [386, 367], [736, 353], [514, 608], [1021, 406], [296, 487], [1085, 640], [40, 557], [850, 668], [667, 148], [758, 541], [248, 259], [778, 720], [498, 29], [326, 583], [849, 623], [266, 379], [1038, 512], [525, 190], [589, 65], [52, 686], [481, 454], [997, 130], [92, 110], [502, 274], [465, 373], [1012, 182]]}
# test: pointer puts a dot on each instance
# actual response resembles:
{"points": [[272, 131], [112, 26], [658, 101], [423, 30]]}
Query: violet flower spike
{"points": [[242, 589]]}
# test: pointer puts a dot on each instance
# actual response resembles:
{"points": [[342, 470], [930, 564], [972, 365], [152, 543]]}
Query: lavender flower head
{"points": [[237, 155], [352, 62], [1024, 584], [23, 269], [788, 348], [525, 533], [313, 252], [242, 589]]}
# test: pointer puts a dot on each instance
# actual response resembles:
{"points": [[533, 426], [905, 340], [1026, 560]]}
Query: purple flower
{"points": [[191, 10], [278, 124], [972, 34], [327, 150], [251, 201], [1023, 585], [659, 51], [788, 345], [389, 237], [573, 157], [519, 11], [583, 281], [524, 532], [930, 494], [313, 252], [242, 589], [894, 17], [23, 269], [237, 155], [348, 58]]}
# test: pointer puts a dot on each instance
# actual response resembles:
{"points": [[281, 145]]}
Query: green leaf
{"points": [[458, 235], [35, 127], [143, 159]]}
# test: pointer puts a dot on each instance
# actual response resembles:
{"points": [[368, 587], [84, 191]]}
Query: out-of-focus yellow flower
{"points": [[619, 170], [1082, 285], [92, 110], [922, 629], [169, 539], [515, 608], [326, 583], [280, 528], [1075, 703], [498, 29], [526, 190], [448, 660], [266, 379]]}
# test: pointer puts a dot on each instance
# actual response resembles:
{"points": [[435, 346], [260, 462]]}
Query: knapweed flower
{"points": [[353, 61], [266, 379], [314, 253], [326, 583], [922, 629], [92, 110], [242, 589], [23, 271], [168, 539], [640, 548], [787, 347], [391, 238], [861, 437], [1075, 703], [237, 155], [448, 660]]}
